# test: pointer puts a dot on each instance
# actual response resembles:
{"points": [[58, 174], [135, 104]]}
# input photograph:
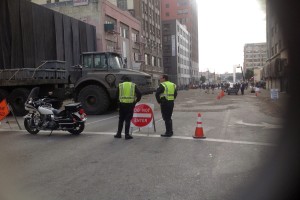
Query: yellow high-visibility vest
{"points": [[127, 92], [169, 90]]}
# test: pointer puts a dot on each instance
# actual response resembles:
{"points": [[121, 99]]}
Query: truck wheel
{"points": [[94, 100], [17, 100], [3, 94]]}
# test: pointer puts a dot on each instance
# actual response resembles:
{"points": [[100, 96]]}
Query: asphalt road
{"points": [[240, 140]]}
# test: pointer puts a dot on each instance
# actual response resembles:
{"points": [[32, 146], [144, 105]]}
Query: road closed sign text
{"points": [[142, 115]]}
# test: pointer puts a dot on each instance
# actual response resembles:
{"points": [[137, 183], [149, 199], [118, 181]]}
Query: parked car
{"points": [[232, 89]]}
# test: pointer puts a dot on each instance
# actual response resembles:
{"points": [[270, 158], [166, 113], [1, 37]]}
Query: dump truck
{"points": [[41, 47]]}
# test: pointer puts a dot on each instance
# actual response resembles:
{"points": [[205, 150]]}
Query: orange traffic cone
{"points": [[222, 93], [199, 130]]}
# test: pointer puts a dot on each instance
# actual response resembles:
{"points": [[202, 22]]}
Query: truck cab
{"points": [[98, 78]]}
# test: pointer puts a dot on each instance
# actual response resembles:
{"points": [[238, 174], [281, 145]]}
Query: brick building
{"points": [[116, 30], [148, 12], [276, 70]]}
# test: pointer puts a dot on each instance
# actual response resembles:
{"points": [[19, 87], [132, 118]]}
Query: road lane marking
{"points": [[189, 138], [263, 124], [102, 120], [158, 136]]}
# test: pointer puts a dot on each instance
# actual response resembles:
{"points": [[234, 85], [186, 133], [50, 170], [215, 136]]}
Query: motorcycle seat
{"points": [[56, 112]]}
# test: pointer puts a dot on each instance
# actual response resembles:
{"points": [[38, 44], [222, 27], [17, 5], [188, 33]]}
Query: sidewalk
{"points": [[278, 106]]}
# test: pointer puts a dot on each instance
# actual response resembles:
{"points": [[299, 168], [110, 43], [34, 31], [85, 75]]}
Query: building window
{"points": [[146, 59], [158, 62], [167, 14], [276, 48], [180, 12], [135, 35], [124, 31], [122, 4], [153, 61], [167, 5]]}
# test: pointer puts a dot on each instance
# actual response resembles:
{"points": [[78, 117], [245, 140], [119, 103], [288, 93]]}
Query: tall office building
{"points": [[148, 13], [176, 52], [186, 12], [255, 55]]}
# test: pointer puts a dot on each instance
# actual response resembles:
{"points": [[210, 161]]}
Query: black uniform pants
{"points": [[166, 112], [125, 114]]}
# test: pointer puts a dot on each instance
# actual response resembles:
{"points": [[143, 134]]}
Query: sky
{"points": [[224, 28]]}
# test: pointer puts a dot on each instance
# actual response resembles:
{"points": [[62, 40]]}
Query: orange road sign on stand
{"points": [[4, 110]]}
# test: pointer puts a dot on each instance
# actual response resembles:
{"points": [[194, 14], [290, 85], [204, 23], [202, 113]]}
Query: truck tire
{"points": [[94, 100], [17, 99], [3, 94]]}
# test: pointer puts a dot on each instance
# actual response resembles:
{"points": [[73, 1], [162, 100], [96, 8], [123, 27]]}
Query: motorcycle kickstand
{"points": [[50, 133]]}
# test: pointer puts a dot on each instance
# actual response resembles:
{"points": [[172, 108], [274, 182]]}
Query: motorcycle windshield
{"points": [[34, 93]]}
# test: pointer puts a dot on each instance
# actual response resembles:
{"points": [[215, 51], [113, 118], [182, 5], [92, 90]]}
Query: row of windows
{"points": [[183, 61], [187, 71], [152, 2], [183, 52], [152, 60], [256, 48], [256, 55], [151, 13], [255, 65], [183, 33], [149, 28], [179, 4], [255, 60], [183, 70], [183, 43], [179, 12]]}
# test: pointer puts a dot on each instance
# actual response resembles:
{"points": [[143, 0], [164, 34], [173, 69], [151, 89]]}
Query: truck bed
{"points": [[32, 76]]}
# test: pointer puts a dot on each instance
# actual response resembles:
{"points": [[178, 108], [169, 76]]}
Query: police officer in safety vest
{"points": [[165, 95], [128, 95]]}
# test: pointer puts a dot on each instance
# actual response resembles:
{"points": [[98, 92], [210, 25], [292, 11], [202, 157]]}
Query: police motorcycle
{"points": [[42, 116]]}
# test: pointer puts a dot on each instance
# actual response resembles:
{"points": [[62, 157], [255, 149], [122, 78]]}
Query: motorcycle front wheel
{"points": [[29, 127], [78, 126]]}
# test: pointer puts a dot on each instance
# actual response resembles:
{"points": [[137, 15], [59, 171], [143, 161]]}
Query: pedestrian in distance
{"points": [[242, 88], [128, 95], [165, 95]]}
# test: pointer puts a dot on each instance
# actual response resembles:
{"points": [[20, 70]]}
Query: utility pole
{"points": [[214, 76]]}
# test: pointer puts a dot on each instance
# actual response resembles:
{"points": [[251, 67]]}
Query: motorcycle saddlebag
{"points": [[73, 107]]}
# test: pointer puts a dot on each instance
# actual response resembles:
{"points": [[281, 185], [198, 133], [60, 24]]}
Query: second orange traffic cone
{"points": [[222, 93], [199, 129]]}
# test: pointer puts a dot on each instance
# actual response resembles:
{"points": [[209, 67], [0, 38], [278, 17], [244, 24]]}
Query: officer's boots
{"points": [[120, 127], [169, 129]]}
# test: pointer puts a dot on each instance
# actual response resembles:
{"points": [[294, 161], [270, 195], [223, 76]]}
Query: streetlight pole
{"points": [[242, 71]]}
